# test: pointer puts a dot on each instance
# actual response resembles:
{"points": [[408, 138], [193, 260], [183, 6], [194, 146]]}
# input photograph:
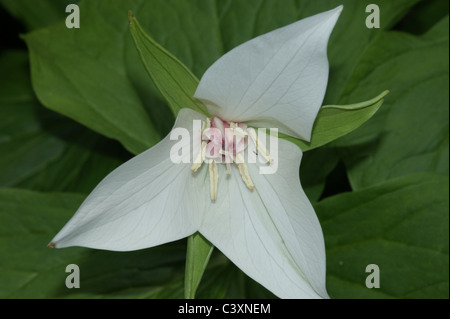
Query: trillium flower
{"points": [[263, 223]]}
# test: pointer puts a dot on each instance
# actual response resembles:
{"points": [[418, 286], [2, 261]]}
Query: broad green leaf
{"points": [[28, 269], [41, 149], [36, 14], [92, 87], [402, 226], [410, 133], [334, 121], [315, 167], [173, 79], [199, 251], [424, 16], [439, 31]]}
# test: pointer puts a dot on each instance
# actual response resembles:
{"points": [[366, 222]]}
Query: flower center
{"points": [[224, 142]]}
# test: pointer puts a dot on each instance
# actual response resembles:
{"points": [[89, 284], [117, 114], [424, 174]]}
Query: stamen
{"points": [[240, 132], [239, 159], [219, 124], [260, 145], [200, 158], [243, 170], [201, 155], [237, 130], [215, 132], [213, 179]]}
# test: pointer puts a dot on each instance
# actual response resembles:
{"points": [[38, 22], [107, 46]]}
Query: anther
{"points": [[260, 145], [243, 170], [201, 155], [213, 179], [200, 158]]}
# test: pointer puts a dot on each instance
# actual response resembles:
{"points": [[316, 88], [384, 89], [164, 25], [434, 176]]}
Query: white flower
{"points": [[263, 223]]}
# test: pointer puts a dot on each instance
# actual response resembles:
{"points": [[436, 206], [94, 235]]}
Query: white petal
{"points": [[275, 80], [271, 233], [145, 202]]}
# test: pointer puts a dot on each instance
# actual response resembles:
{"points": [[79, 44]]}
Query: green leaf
{"points": [[402, 226], [173, 79], [41, 149], [199, 251], [28, 269], [334, 121], [315, 167], [424, 16], [36, 14], [91, 87], [410, 133]]}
